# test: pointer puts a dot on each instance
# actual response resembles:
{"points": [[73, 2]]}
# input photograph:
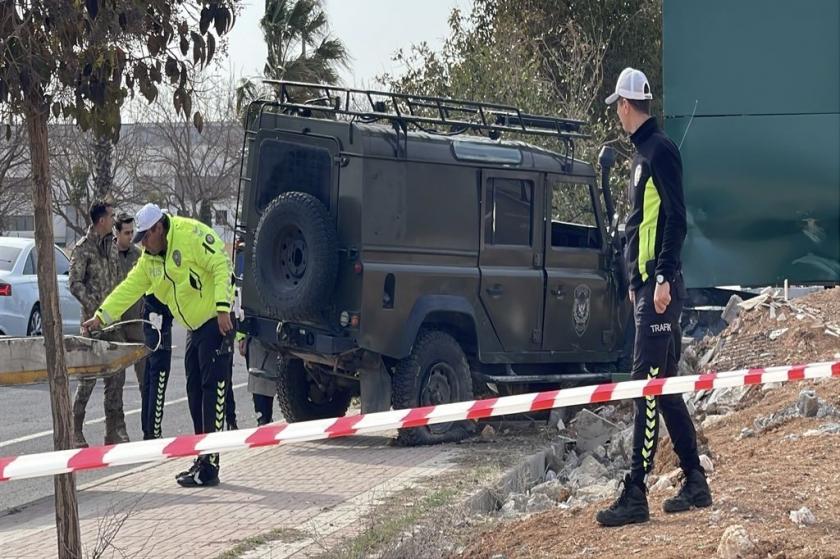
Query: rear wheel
{"points": [[435, 373], [35, 326], [301, 399]]}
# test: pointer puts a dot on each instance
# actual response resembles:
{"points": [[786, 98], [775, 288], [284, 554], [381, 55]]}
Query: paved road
{"points": [[26, 422]]}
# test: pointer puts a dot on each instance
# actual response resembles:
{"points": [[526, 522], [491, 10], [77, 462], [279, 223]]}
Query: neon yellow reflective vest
{"points": [[193, 279]]}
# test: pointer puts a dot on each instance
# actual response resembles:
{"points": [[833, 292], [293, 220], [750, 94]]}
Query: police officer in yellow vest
{"points": [[185, 266]]}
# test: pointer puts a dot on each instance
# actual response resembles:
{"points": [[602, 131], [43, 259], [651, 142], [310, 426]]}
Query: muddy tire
{"points": [[436, 372]]}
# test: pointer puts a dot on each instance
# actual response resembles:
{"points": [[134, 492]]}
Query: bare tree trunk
{"points": [[66, 507]]}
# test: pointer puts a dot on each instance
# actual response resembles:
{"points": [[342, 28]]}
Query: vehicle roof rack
{"points": [[423, 112]]}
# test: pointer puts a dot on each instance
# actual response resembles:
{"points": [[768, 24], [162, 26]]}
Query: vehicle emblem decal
{"points": [[638, 174], [176, 256], [580, 309]]}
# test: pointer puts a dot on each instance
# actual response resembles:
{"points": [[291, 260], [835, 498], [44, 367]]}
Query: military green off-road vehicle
{"points": [[398, 248]]}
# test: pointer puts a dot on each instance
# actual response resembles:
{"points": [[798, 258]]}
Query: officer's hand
{"points": [[92, 324], [242, 347], [662, 297], [632, 297], [225, 325]]}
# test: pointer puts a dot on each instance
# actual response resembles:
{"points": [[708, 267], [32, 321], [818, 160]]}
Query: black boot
{"points": [[695, 492], [193, 469], [631, 507], [205, 473]]}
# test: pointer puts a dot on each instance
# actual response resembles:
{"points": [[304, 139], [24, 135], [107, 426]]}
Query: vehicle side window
{"points": [[508, 219], [29, 267], [574, 222], [62, 264]]}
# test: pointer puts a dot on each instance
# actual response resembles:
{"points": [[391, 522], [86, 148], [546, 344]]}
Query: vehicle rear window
{"points": [[8, 257]]}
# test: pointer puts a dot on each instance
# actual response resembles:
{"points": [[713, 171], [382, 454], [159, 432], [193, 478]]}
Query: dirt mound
{"points": [[768, 459], [771, 331], [756, 483]]}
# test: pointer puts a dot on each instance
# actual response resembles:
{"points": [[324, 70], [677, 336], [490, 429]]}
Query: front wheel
{"points": [[435, 373]]}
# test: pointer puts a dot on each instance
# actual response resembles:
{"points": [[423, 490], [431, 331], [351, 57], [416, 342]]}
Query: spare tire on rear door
{"points": [[295, 258]]}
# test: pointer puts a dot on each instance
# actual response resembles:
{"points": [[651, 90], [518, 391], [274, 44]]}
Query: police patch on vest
{"points": [[664, 328], [638, 175], [209, 239], [176, 256], [580, 309]]}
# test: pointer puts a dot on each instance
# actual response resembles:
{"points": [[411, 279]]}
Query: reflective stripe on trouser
{"points": [[158, 366], [658, 342], [207, 361], [154, 399]]}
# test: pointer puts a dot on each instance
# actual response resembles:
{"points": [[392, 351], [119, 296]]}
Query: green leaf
{"points": [[221, 20], [198, 121], [206, 18], [171, 69], [185, 45], [154, 73], [211, 47], [187, 98], [153, 45], [198, 47]]}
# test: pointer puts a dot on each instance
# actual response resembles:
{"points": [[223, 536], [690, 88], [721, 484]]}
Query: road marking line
{"points": [[34, 436]]}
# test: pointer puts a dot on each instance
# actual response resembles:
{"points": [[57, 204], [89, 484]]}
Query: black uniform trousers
{"points": [[656, 355], [207, 364], [158, 366]]}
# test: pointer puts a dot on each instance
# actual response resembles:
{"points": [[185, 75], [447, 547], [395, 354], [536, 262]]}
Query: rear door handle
{"points": [[495, 291]]}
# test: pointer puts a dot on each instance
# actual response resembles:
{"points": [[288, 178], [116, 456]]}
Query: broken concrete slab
{"points": [[592, 430], [732, 309], [808, 403]]}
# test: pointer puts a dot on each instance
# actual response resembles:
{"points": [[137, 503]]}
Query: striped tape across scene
{"points": [[64, 461]]}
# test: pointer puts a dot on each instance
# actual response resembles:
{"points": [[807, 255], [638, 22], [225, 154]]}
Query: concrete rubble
{"points": [[735, 543], [802, 517]]}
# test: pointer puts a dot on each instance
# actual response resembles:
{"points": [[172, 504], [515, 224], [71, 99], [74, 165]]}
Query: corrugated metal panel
{"points": [[751, 57]]}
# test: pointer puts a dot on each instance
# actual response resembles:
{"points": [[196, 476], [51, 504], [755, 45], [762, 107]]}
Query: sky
{"points": [[372, 31]]}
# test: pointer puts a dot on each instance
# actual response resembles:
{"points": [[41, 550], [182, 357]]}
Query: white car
{"points": [[20, 310]]}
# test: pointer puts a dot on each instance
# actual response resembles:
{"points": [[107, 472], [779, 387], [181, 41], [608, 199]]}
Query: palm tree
{"points": [[300, 47]]}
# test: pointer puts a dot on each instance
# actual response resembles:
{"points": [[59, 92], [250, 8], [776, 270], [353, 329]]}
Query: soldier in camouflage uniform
{"points": [[94, 272], [129, 254]]}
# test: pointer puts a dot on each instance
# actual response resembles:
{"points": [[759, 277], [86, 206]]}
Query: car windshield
{"points": [[8, 257]]}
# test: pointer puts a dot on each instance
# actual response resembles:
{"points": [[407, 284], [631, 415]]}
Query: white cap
{"points": [[631, 84], [145, 220]]}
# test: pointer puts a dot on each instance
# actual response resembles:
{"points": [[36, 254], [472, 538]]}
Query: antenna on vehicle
{"points": [[694, 112]]}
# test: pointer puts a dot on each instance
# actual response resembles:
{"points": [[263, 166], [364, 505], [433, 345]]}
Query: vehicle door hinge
{"points": [[538, 260], [536, 335]]}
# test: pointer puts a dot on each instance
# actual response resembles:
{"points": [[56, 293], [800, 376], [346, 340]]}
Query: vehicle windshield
{"points": [[8, 257]]}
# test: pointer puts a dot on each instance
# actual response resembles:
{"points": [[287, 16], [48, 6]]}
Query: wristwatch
{"points": [[660, 279]]}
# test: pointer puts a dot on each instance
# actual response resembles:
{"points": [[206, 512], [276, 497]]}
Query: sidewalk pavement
{"points": [[318, 489]]}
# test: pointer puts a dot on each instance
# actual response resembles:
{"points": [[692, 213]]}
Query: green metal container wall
{"points": [[762, 155]]}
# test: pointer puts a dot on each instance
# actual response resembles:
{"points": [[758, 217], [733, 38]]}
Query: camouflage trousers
{"points": [[114, 415]]}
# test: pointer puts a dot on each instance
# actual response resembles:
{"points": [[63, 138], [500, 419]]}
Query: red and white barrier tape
{"points": [[64, 461]]}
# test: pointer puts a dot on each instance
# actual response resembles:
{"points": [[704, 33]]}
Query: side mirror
{"points": [[607, 157]]}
